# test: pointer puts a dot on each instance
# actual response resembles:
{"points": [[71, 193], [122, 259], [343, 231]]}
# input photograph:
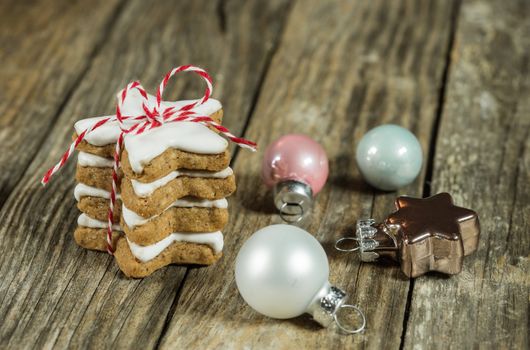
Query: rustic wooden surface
{"points": [[455, 73]]}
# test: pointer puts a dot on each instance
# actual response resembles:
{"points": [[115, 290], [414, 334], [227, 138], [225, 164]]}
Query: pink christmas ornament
{"points": [[296, 167]]}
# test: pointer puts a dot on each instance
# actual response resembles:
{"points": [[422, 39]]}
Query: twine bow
{"points": [[153, 117]]}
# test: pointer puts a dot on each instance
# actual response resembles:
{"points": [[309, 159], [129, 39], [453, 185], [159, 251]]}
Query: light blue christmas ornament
{"points": [[389, 157]]}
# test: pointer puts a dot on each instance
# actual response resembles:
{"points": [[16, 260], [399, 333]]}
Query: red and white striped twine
{"points": [[152, 118]]}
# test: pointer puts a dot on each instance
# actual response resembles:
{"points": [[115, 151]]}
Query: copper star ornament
{"points": [[429, 234]]}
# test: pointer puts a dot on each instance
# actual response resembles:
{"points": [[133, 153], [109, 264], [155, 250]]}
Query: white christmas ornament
{"points": [[282, 272]]}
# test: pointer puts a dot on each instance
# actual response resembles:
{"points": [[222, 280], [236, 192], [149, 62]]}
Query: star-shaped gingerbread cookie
{"points": [[433, 234]]}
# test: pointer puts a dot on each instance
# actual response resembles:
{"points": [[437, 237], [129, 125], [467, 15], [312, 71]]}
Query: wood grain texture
{"points": [[37, 38], [55, 294], [331, 70], [341, 68], [483, 159]]}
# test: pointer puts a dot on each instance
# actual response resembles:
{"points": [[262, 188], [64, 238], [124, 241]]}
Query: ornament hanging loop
{"points": [[371, 240], [364, 237], [345, 328], [291, 215], [339, 243]]}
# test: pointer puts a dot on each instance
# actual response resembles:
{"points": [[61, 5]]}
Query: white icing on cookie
{"points": [[87, 221], [146, 253], [109, 132], [132, 105], [91, 160], [185, 136], [145, 189], [104, 135], [82, 190], [132, 219]]}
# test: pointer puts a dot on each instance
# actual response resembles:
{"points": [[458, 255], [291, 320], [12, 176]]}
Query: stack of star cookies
{"points": [[175, 181]]}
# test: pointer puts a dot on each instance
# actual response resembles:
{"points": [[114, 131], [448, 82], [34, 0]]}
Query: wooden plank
{"points": [[483, 159], [341, 68], [55, 294], [46, 48]]}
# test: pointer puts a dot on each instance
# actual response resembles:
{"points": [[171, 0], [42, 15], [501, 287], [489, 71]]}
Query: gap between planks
{"points": [[432, 147]]}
